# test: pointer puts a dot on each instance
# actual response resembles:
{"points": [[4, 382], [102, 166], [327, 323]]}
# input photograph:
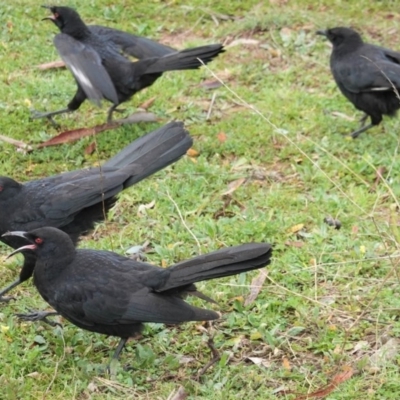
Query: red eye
{"points": [[38, 240], [1, 188]]}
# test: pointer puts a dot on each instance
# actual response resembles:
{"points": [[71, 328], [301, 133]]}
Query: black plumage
{"points": [[107, 293], [368, 75], [129, 44], [75, 201], [100, 69]]}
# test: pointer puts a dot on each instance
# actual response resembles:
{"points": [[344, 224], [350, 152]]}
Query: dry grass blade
{"points": [[51, 65], [16, 143], [255, 287]]}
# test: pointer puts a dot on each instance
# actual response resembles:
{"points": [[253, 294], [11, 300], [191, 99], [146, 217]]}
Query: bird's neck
{"points": [[49, 268], [77, 30], [350, 46]]}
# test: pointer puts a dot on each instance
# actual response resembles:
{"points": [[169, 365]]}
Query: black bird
{"points": [[107, 293], [102, 71], [75, 201], [368, 75]]}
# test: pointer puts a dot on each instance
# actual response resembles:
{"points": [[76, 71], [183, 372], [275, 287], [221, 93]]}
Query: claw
{"points": [[37, 115], [39, 316]]}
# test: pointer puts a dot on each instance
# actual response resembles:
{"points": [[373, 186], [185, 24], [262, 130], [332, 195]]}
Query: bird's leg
{"points": [[39, 316], [356, 133], [215, 358], [7, 289], [49, 115], [111, 367], [110, 112], [119, 348], [363, 119]]}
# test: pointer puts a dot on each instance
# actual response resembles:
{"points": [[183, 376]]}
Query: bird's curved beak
{"points": [[20, 249], [322, 33], [51, 17]]}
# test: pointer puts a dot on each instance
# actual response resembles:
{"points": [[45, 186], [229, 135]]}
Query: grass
{"points": [[331, 296]]}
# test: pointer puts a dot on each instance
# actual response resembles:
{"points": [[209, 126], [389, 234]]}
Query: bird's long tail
{"points": [[185, 59], [225, 262], [154, 151]]}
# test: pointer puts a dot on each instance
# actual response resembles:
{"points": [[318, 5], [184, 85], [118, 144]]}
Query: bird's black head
{"points": [[47, 242], [67, 20], [8, 189], [340, 35]]}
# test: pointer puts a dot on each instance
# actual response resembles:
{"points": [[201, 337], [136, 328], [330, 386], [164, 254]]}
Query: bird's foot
{"points": [[37, 115], [39, 316], [357, 133]]}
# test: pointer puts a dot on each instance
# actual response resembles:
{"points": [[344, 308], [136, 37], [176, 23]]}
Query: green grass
{"points": [[331, 296]]}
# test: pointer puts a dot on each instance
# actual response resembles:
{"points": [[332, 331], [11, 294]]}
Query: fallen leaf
{"points": [[242, 41], [256, 336], [222, 137], [136, 117], [255, 287], [91, 148], [33, 375], [296, 228], [92, 387], [76, 134], [286, 364], [274, 52], [146, 104], [39, 339], [363, 344], [346, 374], [378, 178], [210, 84], [50, 65], [186, 360], [180, 394], [260, 361], [286, 34], [343, 116], [234, 186], [143, 207], [192, 152], [294, 244], [385, 353], [134, 250]]}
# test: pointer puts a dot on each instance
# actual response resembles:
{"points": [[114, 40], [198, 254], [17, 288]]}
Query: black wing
{"points": [[372, 69], [132, 45], [86, 66], [56, 201]]}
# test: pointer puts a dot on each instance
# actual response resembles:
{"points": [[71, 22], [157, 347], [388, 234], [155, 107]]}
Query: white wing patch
{"points": [[381, 89], [81, 77]]}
